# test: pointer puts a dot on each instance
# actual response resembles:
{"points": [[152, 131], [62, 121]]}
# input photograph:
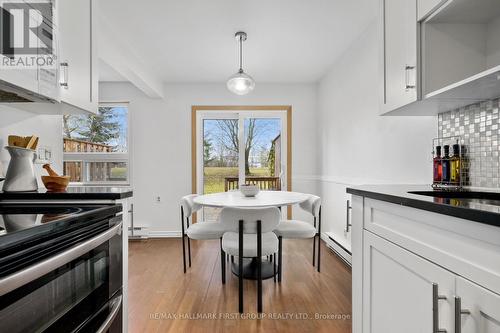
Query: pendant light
{"points": [[240, 83]]}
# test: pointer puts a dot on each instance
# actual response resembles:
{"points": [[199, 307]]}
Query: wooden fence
{"points": [[98, 171], [80, 146]]}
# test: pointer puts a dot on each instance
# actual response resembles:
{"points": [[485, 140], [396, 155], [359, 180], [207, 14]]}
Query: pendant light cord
{"points": [[241, 54]]}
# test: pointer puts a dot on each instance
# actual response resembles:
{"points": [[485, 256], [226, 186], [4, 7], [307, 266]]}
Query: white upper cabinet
{"points": [[78, 57], [399, 61], [29, 60], [458, 42], [71, 84]]}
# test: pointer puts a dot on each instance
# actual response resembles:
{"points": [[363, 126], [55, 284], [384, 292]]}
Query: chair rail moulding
{"points": [[221, 108]]}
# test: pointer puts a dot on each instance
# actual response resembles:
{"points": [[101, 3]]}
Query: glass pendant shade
{"points": [[240, 83]]}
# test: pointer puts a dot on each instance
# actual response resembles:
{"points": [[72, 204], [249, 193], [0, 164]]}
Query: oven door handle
{"points": [[115, 308], [31, 273]]}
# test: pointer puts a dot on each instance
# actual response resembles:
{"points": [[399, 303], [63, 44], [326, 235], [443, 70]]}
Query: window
{"points": [[96, 146]]}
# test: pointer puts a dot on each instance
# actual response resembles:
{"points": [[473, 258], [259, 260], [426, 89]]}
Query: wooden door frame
{"points": [[287, 108]]}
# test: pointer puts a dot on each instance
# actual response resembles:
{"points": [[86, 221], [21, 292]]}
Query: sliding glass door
{"points": [[238, 147]]}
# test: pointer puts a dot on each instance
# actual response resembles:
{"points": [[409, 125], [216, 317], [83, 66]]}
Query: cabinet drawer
{"points": [[469, 249]]}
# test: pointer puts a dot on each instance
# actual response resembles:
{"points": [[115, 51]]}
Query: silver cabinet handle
{"points": [[31, 273], [64, 75], [435, 309], [408, 86], [115, 308], [348, 224], [458, 314]]}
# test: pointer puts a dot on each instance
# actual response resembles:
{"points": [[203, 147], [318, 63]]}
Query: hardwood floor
{"points": [[164, 299]]}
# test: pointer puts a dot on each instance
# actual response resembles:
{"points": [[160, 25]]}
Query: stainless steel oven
{"points": [[66, 278]]}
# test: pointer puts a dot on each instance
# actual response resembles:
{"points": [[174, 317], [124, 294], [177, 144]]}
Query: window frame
{"points": [[118, 157]]}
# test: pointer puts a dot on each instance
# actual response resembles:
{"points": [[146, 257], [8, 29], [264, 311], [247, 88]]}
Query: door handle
{"points": [[31, 273], [435, 309], [408, 86], [115, 308], [348, 224], [458, 314]]}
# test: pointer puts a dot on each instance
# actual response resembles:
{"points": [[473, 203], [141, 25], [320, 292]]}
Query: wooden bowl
{"points": [[55, 183]]}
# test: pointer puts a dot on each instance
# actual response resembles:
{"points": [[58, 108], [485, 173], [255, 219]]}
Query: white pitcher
{"points": [[20, 175]]}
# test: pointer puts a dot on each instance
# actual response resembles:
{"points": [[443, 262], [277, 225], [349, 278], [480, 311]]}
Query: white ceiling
{"points": [[192, 40]]}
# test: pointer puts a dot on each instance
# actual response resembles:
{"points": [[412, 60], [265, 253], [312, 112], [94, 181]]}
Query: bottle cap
{"points": [[446, 149], [456, 149], [438, 150]]}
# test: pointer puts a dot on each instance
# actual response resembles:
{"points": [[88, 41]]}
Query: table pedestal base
{"points": [[250, 269]]}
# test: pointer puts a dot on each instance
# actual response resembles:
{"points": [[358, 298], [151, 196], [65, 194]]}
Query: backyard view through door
{"points": [[241, 147]]}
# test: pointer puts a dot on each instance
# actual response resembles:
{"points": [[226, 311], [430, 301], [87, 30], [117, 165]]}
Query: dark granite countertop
{"points": [[464, 205], [72, 193]]}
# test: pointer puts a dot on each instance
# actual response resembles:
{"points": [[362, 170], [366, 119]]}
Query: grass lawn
{"points": [[214, 177]]}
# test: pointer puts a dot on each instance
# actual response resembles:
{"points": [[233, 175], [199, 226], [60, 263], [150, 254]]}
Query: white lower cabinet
{"points": [[420, 272], [402, 289], [481, 308]]}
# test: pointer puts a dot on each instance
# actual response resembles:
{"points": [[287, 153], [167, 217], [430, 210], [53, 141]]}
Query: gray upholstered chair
{"points": [[250, 235], [294, 229], [200, 230]]}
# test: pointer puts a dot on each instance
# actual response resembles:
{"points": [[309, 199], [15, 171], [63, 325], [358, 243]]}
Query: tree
{"points": [[100, 128], [207, 150], [70, 124], [229, 137]]}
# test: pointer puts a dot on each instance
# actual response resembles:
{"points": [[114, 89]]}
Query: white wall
{"points": [[161, 141], [356, 146], [47, 127]]}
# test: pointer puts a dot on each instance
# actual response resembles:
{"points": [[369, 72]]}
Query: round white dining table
{"points": [[261, 200]]}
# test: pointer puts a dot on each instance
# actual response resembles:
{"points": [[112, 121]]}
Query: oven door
{"points": [[75, 290]]}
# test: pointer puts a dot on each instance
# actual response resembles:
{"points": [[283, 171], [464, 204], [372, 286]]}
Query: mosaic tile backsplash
{"points": [[479, 126]]}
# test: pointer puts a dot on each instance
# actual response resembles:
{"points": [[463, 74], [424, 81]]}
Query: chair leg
{"points": [[280, 257], [189, 251], [319, 254], [183, 240], [274, 266], [314, 250], [259, 266], [240, 268], [222, 263], [184, 253], [319, 240]]}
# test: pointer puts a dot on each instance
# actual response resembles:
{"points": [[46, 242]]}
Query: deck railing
{"points": [[264, 183], [80, 146]]}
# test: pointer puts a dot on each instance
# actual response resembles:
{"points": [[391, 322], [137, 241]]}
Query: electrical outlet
{"points": [[43, 155]]}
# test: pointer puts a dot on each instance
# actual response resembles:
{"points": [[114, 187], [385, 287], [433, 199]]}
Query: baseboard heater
{"points": [[340, 250], [138, 232]]}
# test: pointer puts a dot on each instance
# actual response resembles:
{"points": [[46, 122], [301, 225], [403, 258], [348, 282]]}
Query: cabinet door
{"points": [[399, 53], [77, 53], [17, 74], [483, 306], [403, 292]]}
